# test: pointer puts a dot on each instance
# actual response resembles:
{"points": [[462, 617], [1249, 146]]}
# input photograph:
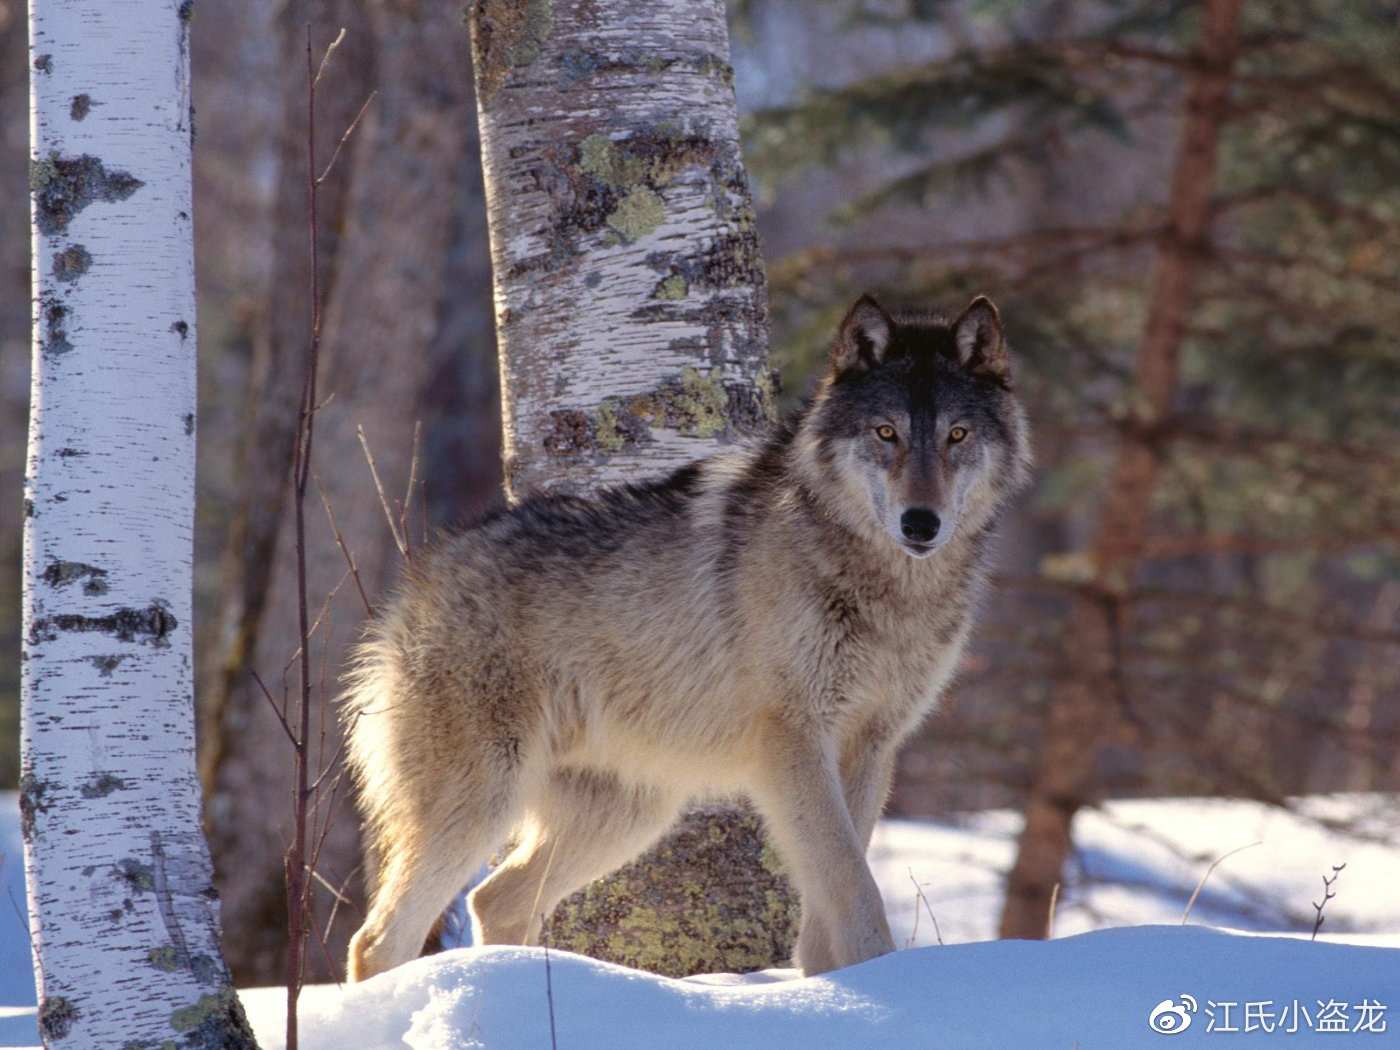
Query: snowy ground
{"points": [[1137, 867]]}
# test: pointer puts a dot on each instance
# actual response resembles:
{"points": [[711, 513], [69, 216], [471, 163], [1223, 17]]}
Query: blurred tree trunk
{"points": [[14, 363], [1082, 709], [631, 315], [405, 314], [122, 915]]}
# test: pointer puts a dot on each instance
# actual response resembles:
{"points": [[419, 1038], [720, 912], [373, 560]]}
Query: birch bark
{"points": [[122, 911], [630, 294], [631, 317]]}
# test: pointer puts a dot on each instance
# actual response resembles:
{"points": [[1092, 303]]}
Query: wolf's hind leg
{"points": [[423, 869], [586, 825]]}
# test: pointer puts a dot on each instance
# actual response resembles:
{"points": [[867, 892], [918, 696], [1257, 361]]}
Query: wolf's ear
{"points": [[981, 346], [864, 337]]}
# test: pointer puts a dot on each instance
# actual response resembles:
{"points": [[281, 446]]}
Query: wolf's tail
{"points": [[367, 706]]}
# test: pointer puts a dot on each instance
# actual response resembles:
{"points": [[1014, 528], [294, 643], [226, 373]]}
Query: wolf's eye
{"points": [[956, 434], [885, 432]]}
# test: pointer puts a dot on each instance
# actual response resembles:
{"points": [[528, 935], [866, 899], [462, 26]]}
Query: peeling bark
{"points": [[123, 914]]}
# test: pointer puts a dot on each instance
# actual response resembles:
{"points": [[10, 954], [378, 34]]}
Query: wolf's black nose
{"points": [[919, 525]]}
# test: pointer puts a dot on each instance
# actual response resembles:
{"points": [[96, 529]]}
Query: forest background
{"points": [[1201, 596]]}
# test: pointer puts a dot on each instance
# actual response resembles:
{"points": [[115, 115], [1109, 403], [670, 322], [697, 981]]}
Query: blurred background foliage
{"points": [[930, 150], [1025, 150]]}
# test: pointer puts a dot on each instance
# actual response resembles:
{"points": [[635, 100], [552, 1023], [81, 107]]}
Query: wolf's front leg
{"points": [[867, 771], [798, 789]]}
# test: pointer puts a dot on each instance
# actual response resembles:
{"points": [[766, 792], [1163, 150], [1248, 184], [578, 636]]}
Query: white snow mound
{"points": [[1092, 990]]}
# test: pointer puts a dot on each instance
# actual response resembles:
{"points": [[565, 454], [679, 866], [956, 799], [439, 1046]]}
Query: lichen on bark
{"points": [[62, 573], [63, 186], [506, 34], [32, 803], [695, 403], [214, 1022], [56, 1016], [71, 263]]}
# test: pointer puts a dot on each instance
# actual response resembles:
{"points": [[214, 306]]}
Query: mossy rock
{"points": [[708, 898]]}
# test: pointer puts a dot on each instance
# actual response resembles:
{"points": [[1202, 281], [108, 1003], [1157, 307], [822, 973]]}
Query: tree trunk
{"points": [[401, 278], [1081, 710], [631, 316], [122, 910], [14, 392], [630, 298]]}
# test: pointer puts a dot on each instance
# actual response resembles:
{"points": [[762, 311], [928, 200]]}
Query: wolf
{"points": [[772, 621]]}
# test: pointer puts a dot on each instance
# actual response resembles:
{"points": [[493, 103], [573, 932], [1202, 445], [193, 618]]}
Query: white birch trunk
{"points": [[631, 313], [630, 297], [123, 917]]}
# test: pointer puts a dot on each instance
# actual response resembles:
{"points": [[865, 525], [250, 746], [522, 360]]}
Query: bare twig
{"points": [[539, 891], [423, 508], [340, 542], [412, 484], [919, 898], [348, 132], [272, 703], [330, 50], [321, 708], [1327, 895], [1050, 915], [1214, 864], [293, 865], [337, 894], [383, 499], [548, 981], [316, 624], [19, 914], [305, 798], [333, 766], [340, 897], [323, 833]]}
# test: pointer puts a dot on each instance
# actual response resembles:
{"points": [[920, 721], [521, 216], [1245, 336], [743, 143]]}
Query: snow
{"points": [[1092, 990], [1120, 952], [1138, 862]]}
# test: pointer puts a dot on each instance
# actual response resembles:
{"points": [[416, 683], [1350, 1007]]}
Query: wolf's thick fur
{"points": [[773, 621]]}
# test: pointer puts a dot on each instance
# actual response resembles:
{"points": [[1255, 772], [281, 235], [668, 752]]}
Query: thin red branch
{"points": [[272, 703]]}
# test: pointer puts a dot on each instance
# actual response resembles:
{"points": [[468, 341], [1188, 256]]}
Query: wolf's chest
{"points": [[869, 647]]}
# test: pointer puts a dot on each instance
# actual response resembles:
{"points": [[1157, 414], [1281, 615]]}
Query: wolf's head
{"points": [[917, 421]]}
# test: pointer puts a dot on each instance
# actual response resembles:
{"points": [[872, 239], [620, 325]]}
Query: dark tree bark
{"points": [[1082, 710]]}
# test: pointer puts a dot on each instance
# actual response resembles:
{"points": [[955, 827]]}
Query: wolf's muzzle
{"points": [[919, 525]]}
